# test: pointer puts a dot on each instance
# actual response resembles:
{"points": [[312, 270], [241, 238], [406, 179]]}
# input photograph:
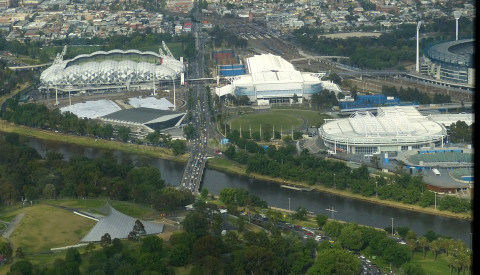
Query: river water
{"points": [[349, 210]]}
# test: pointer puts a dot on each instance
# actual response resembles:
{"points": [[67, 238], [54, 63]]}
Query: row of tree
{"points": [[461, 132], [9, 80], [25, 174], [39, 116], [281, 163], [414, 95]]}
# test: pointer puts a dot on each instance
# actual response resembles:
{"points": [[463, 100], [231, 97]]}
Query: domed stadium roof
{"points": [[114, 67]]}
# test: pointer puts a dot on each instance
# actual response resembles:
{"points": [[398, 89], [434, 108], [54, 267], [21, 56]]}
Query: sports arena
{"points": [[393, 129], [272, 79], [112, 70], [451, 61], [445, 170]]}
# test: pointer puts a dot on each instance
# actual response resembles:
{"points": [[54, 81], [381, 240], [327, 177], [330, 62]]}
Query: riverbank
{"points": [[130, 148], [234, 168], [219, 164]]}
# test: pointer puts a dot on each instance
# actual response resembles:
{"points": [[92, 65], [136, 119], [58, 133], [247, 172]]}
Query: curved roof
{"points": [[460, 52], [392, 125], [68, 72]]}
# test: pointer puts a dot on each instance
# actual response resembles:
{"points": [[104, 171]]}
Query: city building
{"points": [[393, 129], [112, 70], [272, 79]]}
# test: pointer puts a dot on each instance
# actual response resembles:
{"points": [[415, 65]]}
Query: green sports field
{"points": [[280, 119]]}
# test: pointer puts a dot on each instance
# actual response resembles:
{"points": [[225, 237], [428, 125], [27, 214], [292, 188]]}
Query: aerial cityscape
{"points": [[237, 136]]}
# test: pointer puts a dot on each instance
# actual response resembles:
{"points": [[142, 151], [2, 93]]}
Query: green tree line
{"points": [[282, 163], [25, 174]]}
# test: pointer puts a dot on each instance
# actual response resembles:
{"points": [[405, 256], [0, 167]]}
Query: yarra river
{"points": [[349, 210]]}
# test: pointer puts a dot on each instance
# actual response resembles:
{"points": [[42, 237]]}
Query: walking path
{"points": [[11, 226]]}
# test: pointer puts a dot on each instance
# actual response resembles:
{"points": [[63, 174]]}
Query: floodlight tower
{"points": [[417, 67], [457, 15]]}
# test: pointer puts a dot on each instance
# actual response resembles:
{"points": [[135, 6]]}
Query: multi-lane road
{"points": [[192, 176]]}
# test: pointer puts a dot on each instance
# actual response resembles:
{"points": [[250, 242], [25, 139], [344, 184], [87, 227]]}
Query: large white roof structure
{"points": [[112, 68], [92, 109], [150, 102], [449, 119], [271, 76], [397, 125]]}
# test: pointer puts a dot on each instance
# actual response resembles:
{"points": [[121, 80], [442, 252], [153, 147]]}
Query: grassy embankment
{"points": [[91, 142]]}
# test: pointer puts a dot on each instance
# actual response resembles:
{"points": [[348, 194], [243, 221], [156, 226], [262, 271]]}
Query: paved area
{"points": [[118, 225], [11, 226]]}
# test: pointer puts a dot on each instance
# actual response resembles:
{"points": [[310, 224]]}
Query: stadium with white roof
{"points": [[114, 69], [393, 129], [272, 79]]}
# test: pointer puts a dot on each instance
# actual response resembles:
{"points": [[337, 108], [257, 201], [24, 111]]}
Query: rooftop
{"points": [[141, 115]]}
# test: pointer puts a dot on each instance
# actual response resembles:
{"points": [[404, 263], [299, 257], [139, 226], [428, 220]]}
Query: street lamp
{"points": [[376, 189], [332, 210], [334, 182], [289, 204], [392, 227]]}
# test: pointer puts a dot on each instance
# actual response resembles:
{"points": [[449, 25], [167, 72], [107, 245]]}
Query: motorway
{"points": [[192, 176]]}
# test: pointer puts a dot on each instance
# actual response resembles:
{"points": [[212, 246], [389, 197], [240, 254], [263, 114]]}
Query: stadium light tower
{"points": [[457, 15], [417, 67], [174, 103]]}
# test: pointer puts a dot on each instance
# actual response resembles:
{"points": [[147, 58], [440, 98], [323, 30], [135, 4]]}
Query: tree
{"points": [[423, 243], [152, 244], [412, 245], [90, 247], [206, 246], [19, 253], [321, 220], [295, 98], [73, 255], [178, 147], [123, 133], [396, 254], [402, 231], [375, 161], [196, 223], [189, 131], [351, 237], [204, 193], [179, 255], [23, 267], [261, 260], [139, 229], [300, 214], [132, 236], [335, 261], [435, 247], [287, 138], [333, 228], [297, 135], [106, 240]]}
